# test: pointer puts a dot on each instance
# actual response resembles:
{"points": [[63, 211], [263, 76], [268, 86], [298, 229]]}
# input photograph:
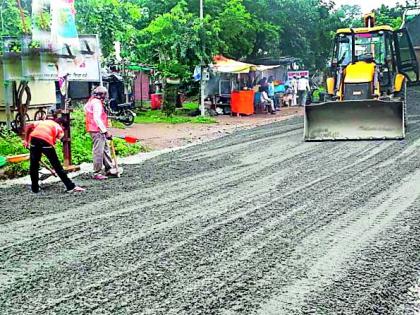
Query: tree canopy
{"points": [[169, 33]]}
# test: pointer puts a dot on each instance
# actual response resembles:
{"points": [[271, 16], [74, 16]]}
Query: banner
{"points": [[297, 74], [65, 38], [63, 27]]}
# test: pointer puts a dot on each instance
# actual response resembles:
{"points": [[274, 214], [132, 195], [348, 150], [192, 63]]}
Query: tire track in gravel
{"points": [[346, 238], [118, 212], [50, 248], [232, 226]]}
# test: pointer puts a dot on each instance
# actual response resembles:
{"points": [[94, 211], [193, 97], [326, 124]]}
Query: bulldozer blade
{"points": [[354, 120]]}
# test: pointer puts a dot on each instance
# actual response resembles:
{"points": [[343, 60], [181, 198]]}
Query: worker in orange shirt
{"points": [[40, 138]]}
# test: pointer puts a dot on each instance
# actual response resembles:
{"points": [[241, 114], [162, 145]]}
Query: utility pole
{"points": [[202, 62]]}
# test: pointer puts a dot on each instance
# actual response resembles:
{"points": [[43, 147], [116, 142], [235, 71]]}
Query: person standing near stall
{"points": [[294, 86], [303, 89], [271, 92]]}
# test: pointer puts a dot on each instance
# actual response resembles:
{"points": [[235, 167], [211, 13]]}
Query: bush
{"points": [[11, 144], [179, 117], [82, 142]]}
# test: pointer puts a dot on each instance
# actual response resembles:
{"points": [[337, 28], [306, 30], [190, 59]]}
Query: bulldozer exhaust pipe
{"points": [[354, 120]]}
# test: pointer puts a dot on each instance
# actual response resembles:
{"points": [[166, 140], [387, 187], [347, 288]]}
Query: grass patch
{"points": [[191, 105], [117, 124], [11, 144], [180, 117]]}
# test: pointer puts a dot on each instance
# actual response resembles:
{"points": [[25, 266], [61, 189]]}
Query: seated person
{"points": [[267, 101], [288, 96], [279, 88]]}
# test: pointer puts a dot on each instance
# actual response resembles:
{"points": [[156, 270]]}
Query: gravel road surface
{"points": [[257, 222]]}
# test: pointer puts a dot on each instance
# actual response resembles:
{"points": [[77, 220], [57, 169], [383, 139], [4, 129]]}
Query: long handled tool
{"points": [[114, 157], [53, 173]]}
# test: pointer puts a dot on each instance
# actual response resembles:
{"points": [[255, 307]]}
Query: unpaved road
{"points": [[160, 136], [258, 222]]}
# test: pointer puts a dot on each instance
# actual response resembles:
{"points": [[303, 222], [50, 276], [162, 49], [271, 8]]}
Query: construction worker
{"points": [[303, 89], [40, 138], [97, 125]]}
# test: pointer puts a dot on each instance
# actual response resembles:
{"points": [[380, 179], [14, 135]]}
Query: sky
{"points": [[368, 5]]}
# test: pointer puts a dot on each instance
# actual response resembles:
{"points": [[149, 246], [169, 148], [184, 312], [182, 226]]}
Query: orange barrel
{"points": [[242, 102], [247, 102], [235, 101], [156, 101]]}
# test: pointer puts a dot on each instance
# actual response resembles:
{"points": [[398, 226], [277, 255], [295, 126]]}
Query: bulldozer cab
{"points": [[369, 47], [391, 50]]}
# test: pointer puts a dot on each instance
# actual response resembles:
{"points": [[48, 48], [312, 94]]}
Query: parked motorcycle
{"points": [[120, 112]]}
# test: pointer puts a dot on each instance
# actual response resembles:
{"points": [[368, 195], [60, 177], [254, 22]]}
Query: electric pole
{"points": [[203, 112]]}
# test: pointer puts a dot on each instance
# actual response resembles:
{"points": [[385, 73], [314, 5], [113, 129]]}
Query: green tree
{"points": [[389, 16], [237, 31], [178, 40], [113, 20], [172, 37], [11, 22], [350, 16]]}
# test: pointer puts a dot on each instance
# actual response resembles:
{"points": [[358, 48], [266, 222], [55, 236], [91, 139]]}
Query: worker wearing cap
{"points": [[40, 138], [96, 120]]}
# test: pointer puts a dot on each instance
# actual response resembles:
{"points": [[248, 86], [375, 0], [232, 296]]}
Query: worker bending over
{"points": [[40, 138]]}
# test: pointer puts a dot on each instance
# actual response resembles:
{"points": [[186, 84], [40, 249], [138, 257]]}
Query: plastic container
{"points": [[156, 101], [18, 158], [242, 102], [3, 161]]}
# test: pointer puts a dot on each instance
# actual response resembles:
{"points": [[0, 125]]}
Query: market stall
{"points": [[232, 85]]}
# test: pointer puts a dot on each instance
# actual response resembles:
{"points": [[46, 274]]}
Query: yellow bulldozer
{"points": [[366, 88]]}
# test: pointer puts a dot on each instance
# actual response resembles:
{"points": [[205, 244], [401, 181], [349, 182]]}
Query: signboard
{"points": [[297, 74], [86, 66], [23, 59]]}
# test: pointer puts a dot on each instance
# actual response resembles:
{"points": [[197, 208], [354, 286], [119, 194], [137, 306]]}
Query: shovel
{"points": [[128, 139], [114, 157]]}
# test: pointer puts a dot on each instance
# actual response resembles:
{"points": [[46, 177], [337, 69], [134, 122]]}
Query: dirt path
{"points": [[257, 222], [162, 136]]}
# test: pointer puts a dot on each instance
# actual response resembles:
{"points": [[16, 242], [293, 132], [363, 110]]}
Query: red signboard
{"points": [[298, 74]]}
